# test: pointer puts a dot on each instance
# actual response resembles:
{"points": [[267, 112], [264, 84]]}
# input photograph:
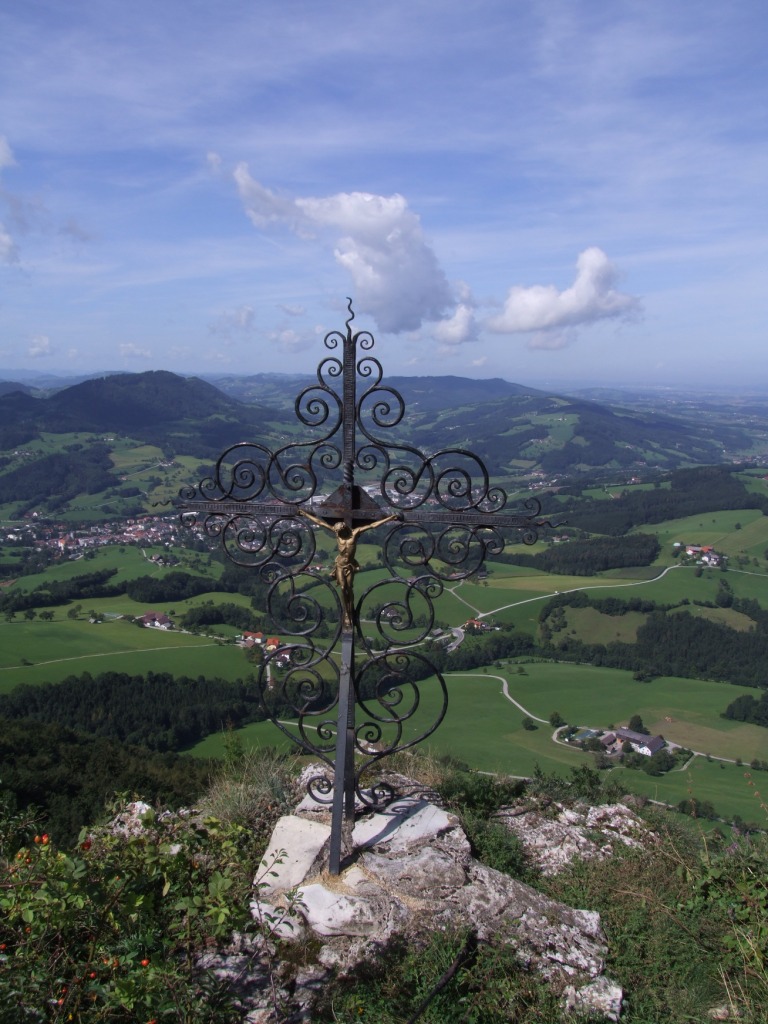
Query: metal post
{"points": [[344, 793]]}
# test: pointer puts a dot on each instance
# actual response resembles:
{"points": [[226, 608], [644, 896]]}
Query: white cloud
{"points": [[6, 156], [291, 340], [239, 320], [591, 297], [8, 251], [458, 328], [296, 310], [551, 341], [264, 207], [396, 275], [40, 347], [131, 351], [397, 279]]}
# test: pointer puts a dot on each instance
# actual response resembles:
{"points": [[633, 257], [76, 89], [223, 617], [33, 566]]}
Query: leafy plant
{"points": [[112, 931]]}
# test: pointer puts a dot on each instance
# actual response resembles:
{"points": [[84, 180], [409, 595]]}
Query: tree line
{"points": [[691, 492], [158, 711], [86, 586], [671, 642], [55, 479], [749, 709], [70, 776], [587, 557]]}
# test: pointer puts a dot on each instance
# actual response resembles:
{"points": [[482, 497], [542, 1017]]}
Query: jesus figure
{"points": [[346, 565]]}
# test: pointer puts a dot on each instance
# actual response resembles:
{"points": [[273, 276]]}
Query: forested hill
{"points": [[514, 427], [687, 492], [517, 430], [156, 406]]}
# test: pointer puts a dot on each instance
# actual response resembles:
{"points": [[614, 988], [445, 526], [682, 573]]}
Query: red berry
{"points": [[145, 963], [37, 839], [44, 840]]}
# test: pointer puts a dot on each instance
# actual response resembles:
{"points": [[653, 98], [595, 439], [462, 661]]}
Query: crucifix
{"points": [[352, 651]]}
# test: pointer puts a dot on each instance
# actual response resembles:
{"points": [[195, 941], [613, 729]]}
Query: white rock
{"points": [[426, 871], [412, 873], [554, 842], [403, 824], [601, 996], [292, 850], [334, 913]]}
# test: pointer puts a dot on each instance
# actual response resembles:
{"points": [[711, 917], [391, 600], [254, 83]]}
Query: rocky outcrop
{"points": [[410, 872], [554, 835]]}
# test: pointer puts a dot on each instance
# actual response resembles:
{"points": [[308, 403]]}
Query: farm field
{"points": [[129, 560], [481, 727], [485, 730], [732, 532], [732, 789], [60, 649]]}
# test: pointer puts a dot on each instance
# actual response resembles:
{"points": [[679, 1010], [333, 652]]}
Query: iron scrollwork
{"points": [[443, 517]]}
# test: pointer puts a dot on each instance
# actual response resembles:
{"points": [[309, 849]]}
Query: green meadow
{"points": [[733, 532], [481, 727], [47, 652], [484, 729], [732, 789]]}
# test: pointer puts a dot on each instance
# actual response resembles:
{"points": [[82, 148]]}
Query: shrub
{"points": [[112, 930]]}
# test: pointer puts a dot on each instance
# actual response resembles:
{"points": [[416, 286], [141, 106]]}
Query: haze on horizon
{"points": [[563, 192]]}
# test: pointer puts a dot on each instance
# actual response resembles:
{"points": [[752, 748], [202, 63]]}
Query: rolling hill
{"points": [[524, 435]]}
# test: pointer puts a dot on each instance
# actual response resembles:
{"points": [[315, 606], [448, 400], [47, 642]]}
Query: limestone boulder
{"points": [[554, 836], [410, 872]]}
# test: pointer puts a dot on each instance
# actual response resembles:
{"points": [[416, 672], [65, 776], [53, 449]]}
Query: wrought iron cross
{"points": [[351, 651]]}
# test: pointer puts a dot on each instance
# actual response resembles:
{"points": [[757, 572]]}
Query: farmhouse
{"points": [[250, 639], [641, 744], [476, 625], [703, 553], [156, 620]]}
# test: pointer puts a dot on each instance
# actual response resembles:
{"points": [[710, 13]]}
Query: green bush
{"points": [[111, 930]]}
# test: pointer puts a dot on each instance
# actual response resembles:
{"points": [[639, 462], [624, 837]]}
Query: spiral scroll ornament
{"points": [[349, 678]]}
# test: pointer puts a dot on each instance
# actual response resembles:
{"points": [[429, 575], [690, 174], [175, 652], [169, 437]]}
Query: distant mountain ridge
{"points": [[519, 431]]}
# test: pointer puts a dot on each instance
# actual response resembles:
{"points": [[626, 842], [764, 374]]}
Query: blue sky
{"points": [[554, 192]]}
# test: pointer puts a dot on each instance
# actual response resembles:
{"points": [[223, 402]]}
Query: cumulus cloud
{"points": [[592, 297], [397, 279], [380, 243], [551, 341], [8, 251], [40, 347], [290, 340], [458, 328]]}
